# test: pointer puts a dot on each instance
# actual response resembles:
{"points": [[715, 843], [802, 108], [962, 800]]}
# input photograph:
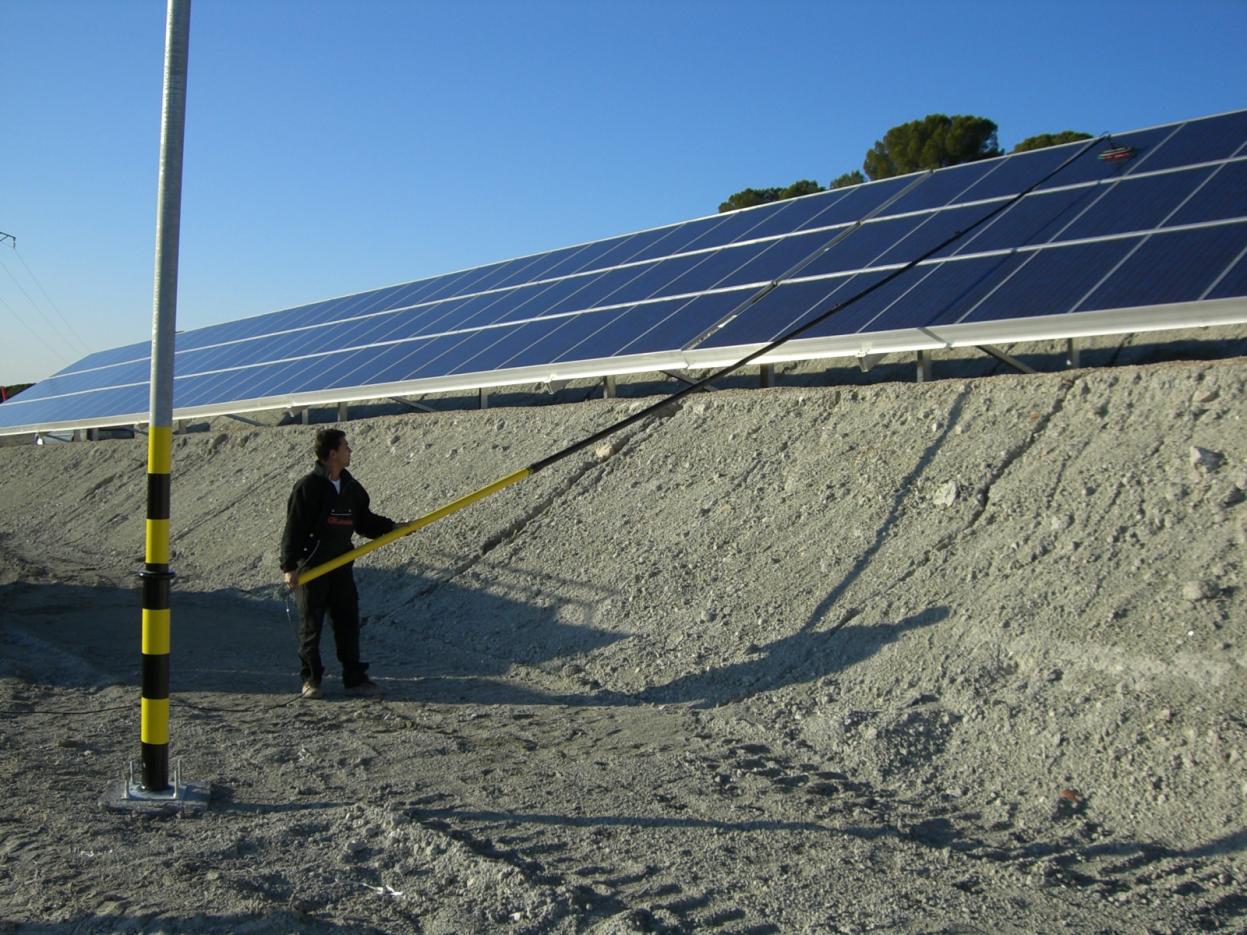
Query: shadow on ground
{"points": [[224, 643]]}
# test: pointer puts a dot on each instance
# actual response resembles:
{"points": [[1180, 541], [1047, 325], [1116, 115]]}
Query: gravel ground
{"points": [[965, 656]]}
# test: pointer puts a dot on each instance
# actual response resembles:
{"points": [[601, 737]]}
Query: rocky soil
{"points": [[965, 656]]}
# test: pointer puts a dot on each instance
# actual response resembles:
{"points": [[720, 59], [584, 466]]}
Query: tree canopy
{"points": [[847, 179], [749, 197], [1043, 140], [934, 142]]}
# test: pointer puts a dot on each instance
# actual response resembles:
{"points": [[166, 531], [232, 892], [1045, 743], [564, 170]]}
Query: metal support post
{"points": [[1073, 356], [867, 362], [924, 366], [687, 380], [1004, 358], [484, 397], [414, 407], [344, 412], [608, 388], [766, 376]]}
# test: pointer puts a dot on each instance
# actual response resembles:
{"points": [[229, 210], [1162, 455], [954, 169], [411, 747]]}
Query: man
{"points": [[325, 509]]}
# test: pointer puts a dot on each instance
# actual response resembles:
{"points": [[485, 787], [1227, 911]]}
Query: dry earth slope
{"points": [[964, 656]]}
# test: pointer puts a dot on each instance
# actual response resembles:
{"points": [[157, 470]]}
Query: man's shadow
{"points": [[798, 658]]}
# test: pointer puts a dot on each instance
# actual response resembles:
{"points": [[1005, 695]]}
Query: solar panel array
{"points": [[1154, 240]]}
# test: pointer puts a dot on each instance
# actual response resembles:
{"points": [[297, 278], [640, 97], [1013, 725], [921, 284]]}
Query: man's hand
{"points": [[292, 579]]}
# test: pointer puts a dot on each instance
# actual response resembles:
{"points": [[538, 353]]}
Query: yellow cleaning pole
{"points": [[454, 506]]}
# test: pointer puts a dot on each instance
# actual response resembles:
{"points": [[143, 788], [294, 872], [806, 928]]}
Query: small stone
{"points": [[606, 450], [1205, 459], [946, 495], [1201, 590]]}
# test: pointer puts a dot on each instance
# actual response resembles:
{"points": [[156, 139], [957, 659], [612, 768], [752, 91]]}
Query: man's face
{"points": [[341, 456]]}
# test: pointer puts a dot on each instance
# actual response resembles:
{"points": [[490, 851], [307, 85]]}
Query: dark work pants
{"points": [[333, 593]]}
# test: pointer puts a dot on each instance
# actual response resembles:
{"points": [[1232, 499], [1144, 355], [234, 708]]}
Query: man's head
{"points": [[332, 449]]}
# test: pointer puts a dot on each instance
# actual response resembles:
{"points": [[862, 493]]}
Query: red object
{"points": [[1117, 152]]}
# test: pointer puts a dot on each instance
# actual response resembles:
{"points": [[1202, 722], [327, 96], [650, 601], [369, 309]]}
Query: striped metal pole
{"points": [[157, 576]]}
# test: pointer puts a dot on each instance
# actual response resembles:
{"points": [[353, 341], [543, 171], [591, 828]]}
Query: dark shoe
{"points": [[311, 690], [365, 689]]}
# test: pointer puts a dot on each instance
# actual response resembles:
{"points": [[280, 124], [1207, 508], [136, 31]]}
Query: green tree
{"points": [[1043, 140], [847, 179], [934, 142], [799, 188], [749, 197]]}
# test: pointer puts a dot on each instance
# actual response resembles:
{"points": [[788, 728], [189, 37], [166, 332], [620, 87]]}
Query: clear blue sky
{"points": [[334, 147]]}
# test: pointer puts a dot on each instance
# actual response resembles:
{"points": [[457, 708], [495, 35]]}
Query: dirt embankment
{"points": [[966, 656]]}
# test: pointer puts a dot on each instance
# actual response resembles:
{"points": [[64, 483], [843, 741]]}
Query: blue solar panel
{"points": [[1136, 204], [1202, 141], [1014, 174], [1050, 281], [1234, 281], [945, 187], [934, 230], [1225, 196], [1089, 167], [788, 306], [945, 294], [1177, 266], [1034, 219], [1164, 226]]}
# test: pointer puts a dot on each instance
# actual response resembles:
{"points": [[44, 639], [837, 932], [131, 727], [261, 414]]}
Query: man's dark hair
{"points": [[328, 440]]}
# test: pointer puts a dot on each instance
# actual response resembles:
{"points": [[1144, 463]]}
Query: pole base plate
{"points": [[180, 799]]}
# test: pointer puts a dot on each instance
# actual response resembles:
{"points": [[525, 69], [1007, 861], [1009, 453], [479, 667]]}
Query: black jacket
{"points": [[320, 520]]}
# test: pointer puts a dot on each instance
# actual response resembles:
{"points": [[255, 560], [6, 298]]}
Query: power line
{"points": [[40, 337], [35, 305], [82, 345]]}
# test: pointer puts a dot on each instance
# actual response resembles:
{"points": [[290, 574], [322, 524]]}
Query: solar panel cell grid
{"points": [[1202, 141], [1233, 282], [1225, 196], [785, 307], [1035, 219], [932, 231], [808, 212], [944, 187], [772, 260], [946, 294], [1050, 281], [707, 272], [1135, 204], [1014, 173], [861, 247], [1170, 267]]}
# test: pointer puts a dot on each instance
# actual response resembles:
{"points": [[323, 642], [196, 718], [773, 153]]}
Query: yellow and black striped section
{"points": [[157, 582]]}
